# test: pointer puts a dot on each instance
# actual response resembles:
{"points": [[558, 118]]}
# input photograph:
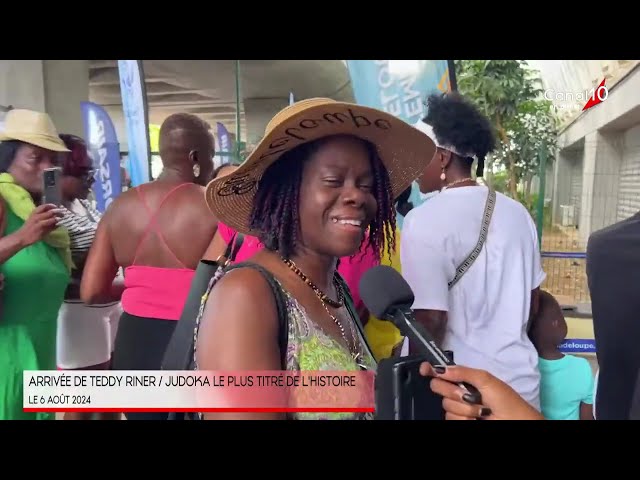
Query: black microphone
{"points": [[389, 297]]}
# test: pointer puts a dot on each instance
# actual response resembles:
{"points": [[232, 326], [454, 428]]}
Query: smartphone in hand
{"points": [[51, 187]]}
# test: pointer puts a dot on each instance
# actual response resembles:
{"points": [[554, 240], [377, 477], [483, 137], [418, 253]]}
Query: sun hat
{"points": [[404, 150], [34, 128]]}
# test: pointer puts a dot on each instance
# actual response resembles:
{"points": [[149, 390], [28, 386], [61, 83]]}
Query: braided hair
{"points": [[275, 213], [457, 122]]}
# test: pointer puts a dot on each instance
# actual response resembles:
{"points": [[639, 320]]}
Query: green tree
{"points": [[509, 94], [532, 132]]}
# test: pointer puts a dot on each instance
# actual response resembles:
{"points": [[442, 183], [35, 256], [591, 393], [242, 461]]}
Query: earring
{"points": [[443, 176], [196, 170]]}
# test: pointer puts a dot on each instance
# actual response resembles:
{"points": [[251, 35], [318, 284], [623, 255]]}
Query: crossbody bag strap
{"points": [[238, 239], [486, 221], [233, 247]]}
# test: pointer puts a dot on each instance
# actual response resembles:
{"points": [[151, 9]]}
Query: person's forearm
{"points": [[436, 325], [117, 287], [10, 245], [112, 294]]}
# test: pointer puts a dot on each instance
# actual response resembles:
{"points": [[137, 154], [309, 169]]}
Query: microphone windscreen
{"points": [[382, 287]]}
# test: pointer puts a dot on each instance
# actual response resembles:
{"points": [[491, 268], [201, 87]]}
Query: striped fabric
{"points": [[81, 220]]}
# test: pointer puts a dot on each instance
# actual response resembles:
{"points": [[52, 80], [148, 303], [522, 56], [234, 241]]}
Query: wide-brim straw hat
{"points": [[404, 150], [34, 128]]}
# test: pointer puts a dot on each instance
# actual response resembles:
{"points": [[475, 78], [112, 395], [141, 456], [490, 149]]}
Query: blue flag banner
{"points": [[399, 87], [104, 148], [134, 106], [224, 139], [223, 145]]}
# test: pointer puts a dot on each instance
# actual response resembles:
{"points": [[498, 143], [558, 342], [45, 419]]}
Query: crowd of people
{"points": [[323, 197]]}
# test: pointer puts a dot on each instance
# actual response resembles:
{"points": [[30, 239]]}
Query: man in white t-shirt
{"points": [[483, 318]]}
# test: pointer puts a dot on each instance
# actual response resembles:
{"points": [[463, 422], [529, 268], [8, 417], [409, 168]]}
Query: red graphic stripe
{"points": [[204, 410], [595, 100]]}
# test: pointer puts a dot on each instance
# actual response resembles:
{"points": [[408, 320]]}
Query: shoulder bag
{"points": [[484, 230]]}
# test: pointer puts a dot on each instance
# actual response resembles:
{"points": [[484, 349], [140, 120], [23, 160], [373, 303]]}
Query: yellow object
{"points": [[580, 328], [154, 137], [382, 335]]}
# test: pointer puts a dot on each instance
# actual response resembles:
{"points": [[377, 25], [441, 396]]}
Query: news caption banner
{"points": [[206, 391], [578, 345]]}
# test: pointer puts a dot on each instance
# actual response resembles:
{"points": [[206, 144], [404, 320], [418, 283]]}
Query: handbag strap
{"points": [[179, 352], [471, 258], [233, 248]]}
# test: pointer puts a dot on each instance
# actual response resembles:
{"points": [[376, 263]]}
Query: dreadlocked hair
{"points": [[275, 212], [457, 122]]}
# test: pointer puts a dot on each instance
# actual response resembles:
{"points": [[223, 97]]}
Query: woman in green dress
{"points": [[35, 259]]}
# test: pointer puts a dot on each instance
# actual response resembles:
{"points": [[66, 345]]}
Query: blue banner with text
{"points": [[134, 105], [104, 149], [578, 345]]}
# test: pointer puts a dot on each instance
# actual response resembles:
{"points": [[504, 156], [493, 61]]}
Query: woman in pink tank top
{"points": [[156, 232]]}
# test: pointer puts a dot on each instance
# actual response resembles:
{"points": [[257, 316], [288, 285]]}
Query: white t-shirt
{"points": [[488, 309]]}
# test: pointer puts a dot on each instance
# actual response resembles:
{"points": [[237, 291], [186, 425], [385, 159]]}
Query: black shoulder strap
{"points": [[179, 352], [233, 248], [471, 258]]}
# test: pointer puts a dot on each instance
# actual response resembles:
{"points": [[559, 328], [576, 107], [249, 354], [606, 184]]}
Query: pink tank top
{"points": [[156, 292]]}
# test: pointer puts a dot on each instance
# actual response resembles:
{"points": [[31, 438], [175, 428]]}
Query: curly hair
{"points": [[457, 122], [275, 213], [78, 162]]}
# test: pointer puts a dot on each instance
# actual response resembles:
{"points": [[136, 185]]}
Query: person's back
{"points": [[566, 388], [613, 263], [483, 317], [489, 307], [157, 232]]}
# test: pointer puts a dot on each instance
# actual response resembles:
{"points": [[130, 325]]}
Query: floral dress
{"points": [[309, 348]]}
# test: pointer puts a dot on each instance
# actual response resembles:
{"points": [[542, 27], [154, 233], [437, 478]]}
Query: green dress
{"points": [[35, 280]]}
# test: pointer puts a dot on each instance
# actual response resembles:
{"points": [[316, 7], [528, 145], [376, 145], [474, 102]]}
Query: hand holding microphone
{"points": [[499, 400], [468, 393], [388, 296]]}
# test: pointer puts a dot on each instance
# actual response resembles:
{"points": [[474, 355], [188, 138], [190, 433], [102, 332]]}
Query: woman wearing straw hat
{"points": [[35, 258], [323, 174]]}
